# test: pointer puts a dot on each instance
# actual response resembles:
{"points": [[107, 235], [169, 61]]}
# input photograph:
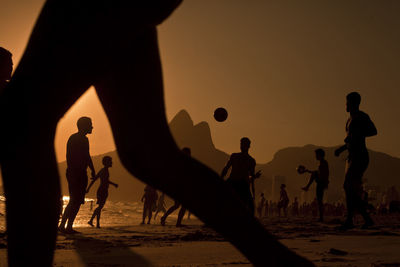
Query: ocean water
{"points": [[114, 213]]}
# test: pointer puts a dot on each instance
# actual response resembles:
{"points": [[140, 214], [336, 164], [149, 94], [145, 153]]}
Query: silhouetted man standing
{"points": [[242, 175], [78, 160], [6, 67], [358, 127]]}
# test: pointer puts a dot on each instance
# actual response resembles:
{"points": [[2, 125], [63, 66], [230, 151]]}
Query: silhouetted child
{"points": [[321, 178], [102, 192], [149, 198], [283, 201]]}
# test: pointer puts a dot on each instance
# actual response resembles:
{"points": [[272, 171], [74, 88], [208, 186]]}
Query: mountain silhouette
{"points": [[383, 170]]}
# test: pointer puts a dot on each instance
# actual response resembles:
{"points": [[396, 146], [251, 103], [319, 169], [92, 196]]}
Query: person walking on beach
{"points": [[321, 178], [150, 201], [181, 214], [102, 191], [283, 201], [160, 205], [358, 127], [243, 174], [6, 67], [261, 204], [78, 160]]}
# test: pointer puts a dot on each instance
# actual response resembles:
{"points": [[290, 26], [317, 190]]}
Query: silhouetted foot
{"points": [[142, 223], [98, 226], [90, 223], [162, 221], [148, 222], [61, 229], [180, 225]]}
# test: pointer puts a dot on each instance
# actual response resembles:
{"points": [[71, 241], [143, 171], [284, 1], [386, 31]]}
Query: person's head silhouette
{"points": [[107, 161], [319, 153], [6, 65], [245, 144], [353, 101], [85, 125]]}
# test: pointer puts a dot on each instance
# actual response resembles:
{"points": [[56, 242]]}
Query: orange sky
{"points": [[281, 68]]}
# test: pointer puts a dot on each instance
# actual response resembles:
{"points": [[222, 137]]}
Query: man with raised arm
{"points": [[358, 127]]}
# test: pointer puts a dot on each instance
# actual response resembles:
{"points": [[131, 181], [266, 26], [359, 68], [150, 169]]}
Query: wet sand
{"points": [[195, 245]]}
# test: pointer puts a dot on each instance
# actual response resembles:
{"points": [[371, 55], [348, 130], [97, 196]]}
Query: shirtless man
{"points": [[78, 160], [242, 175], [358, 127]]}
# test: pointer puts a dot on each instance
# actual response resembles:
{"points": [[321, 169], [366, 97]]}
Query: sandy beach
{"points": [[196, 245]]}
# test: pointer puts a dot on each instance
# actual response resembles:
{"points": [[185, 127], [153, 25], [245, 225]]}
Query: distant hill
{"points": [[383, 170]]}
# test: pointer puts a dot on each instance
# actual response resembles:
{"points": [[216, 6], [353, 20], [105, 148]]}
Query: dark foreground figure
{"points": [[358, 127], [6, 67], [112, 45]]}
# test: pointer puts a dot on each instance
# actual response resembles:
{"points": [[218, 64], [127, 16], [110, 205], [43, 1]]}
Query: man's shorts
{"points": [[77, 183]]}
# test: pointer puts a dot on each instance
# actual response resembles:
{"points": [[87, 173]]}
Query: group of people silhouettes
{"points": [[359, 126], [71, 48]]}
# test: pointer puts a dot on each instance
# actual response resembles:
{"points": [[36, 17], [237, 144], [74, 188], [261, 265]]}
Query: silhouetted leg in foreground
{"points": [[112, 45], [169, 211], [181, 214]]}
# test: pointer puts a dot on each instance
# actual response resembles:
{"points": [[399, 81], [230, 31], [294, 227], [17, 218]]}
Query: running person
{"points": [[102, 191], [150, 199], [78, 160], [242, 175], [160, 205], [176, 205], [358, 127]]}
